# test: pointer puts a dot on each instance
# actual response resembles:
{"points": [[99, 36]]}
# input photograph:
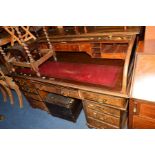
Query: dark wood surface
{"points": [[141, 114], [106, 116], [31, 93], [88, 31], [109, 47]]}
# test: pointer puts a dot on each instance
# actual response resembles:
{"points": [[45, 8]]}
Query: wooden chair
{"points": [[6, 84], [26, 35], [22, 35]]}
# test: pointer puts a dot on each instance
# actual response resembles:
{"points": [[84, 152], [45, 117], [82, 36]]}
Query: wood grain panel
{"points": [[106, 99], [143, 123], [71, 92], [101, 108], [99, 124], [141, 114], [104, 117], [147, 110], [65, 47]]}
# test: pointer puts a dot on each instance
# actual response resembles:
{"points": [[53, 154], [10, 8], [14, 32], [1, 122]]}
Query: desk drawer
{"points": [[104, 117], [93, 123], [102, 108], [105, 99], [143, 108], [46, 87], [29, 89], [140, 122], [71, 92], [141, 114], [66, 47], [25, 85], [21, 81]]}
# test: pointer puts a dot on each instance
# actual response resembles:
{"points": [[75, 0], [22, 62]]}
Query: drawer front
{"points": [[142, 114], [106, 99], [29, 89], [70, 92], [72, 47], [99, 124], [101, 108], [48, 88], [66, 47], [104, 117], [37, 104], [25, 85], [32, 96], [85, 47], [20, 81], [143, 123], [147, 109]]}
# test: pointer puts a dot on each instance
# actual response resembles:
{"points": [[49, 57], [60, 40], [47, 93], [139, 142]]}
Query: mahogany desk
{"points": [[94, 67]]}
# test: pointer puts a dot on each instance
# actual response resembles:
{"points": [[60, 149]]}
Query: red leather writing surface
{"points": [[88, 73]]}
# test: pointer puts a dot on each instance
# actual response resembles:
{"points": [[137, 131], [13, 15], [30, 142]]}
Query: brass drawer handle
{"points": [[64, 92], [101, 108], [135, 109], [90, 105], [102, 100], [102, 118], [94, 113]]}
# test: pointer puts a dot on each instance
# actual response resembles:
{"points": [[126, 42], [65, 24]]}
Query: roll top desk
{"points": [[93, 65]]}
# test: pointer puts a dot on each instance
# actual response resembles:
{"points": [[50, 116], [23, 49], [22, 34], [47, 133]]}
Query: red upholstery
{"points": [[87, 73]]}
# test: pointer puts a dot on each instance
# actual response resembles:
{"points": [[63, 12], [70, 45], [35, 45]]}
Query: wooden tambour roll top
{"points": [[96, 59]]}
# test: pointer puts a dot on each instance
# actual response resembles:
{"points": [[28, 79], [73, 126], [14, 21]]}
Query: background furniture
{"points": [[142, 101]]}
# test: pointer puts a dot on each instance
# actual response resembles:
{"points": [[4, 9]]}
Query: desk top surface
{"points": [[144, 78]]}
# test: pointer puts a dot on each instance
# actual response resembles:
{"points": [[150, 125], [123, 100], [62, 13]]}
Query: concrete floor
{"points": [[29, 118]]}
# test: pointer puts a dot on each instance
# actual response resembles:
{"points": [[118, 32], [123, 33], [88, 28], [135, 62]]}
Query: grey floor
{"points": [[29, 118]]}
